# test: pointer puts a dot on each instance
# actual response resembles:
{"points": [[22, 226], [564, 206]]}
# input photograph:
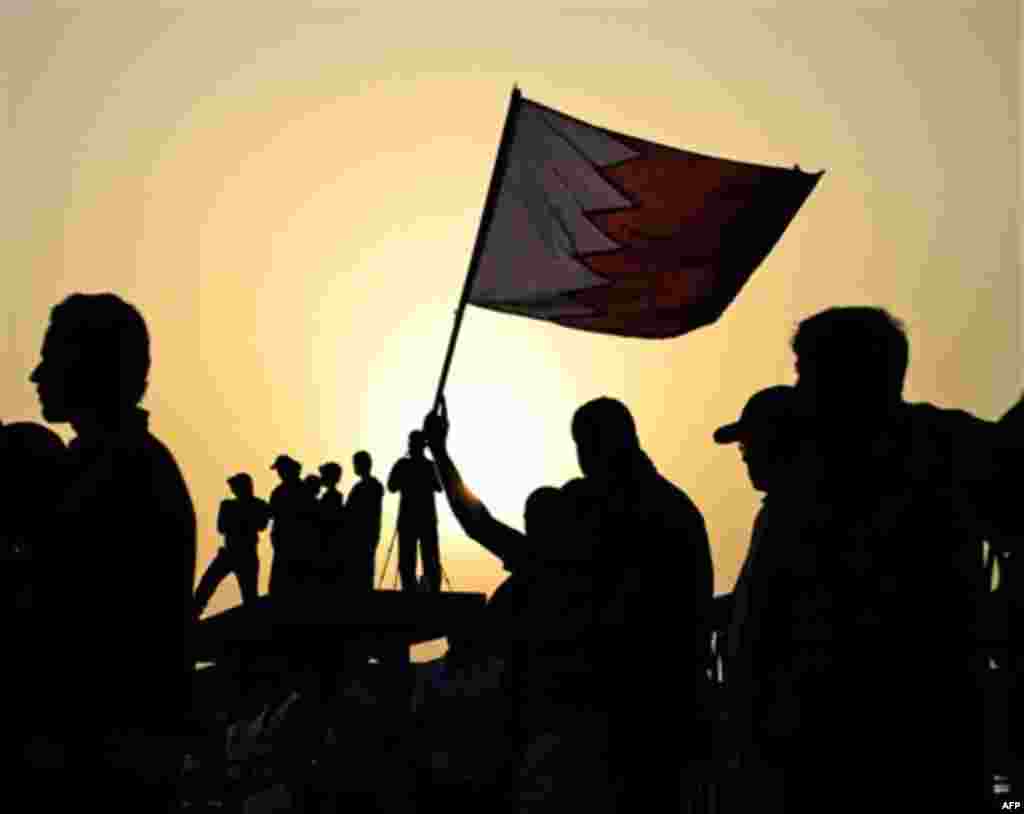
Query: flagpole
{"points": [[497, 176]]}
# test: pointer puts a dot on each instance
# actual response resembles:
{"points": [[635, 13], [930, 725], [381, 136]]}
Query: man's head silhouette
{"points": [[95, 358], [330, 474], [605, 435], [545, 514], [33, 458], [417, 442], [241, 485], [851, 361], [767, 432], [312, 484], [362, 463], [287, 467]]}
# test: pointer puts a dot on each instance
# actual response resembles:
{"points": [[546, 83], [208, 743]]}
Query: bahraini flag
{"points": [[605, 232]]}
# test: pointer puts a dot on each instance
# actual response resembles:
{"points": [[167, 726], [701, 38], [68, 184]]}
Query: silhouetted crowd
{"points": [[852, 646], [319, 540]]}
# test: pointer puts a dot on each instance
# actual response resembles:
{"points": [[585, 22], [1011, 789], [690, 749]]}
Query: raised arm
{"points": [[501, 540]]}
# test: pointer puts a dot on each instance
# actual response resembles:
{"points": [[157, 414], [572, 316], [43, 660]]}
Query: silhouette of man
{"points": [[331, 520], [312, 484], [901, 498], [540, 623], [240, 520], [414, 478], [772, 430], [363, 513], [119, 560], [309, 560], [669, 593], [34, 458], [288, 510]]}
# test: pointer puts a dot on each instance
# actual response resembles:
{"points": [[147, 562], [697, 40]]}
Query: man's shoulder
{"points": [[157, 452], [943, 420], [367, 488], [673, 498], [161, 463], [954, 437]]}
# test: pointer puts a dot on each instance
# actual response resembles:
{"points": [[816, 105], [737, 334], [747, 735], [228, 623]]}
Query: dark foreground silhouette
{"points": [[863, 642]]}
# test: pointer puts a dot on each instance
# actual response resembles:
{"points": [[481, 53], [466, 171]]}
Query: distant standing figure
{"points": [[331, 516], [240, 520], [415, 479], [287, 532], [312, 484], [363, 512]]}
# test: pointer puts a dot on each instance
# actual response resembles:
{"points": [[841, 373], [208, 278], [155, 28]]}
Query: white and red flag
{"points": [[605, 232]]}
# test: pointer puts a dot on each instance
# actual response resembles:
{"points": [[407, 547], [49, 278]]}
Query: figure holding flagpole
{"points": [[608, 233]]}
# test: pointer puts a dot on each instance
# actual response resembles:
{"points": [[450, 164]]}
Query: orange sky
{"points": [[290, 194]]}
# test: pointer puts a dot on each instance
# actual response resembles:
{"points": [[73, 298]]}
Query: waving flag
{"points": [[605, 232]]}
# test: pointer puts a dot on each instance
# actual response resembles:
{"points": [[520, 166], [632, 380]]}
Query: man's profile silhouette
{"points": [[119, 560], [771, 431]]}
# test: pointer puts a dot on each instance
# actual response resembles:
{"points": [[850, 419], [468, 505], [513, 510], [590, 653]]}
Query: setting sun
{"points": [[292, 204]]}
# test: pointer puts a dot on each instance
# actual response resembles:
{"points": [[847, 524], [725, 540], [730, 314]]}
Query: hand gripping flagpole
{"points": [[497, 176]]}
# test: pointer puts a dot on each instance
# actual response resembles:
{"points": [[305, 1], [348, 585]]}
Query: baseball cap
{"points": [[765, 409], [286, 462]]}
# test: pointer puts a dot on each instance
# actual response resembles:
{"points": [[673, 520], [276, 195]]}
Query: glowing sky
{"points": [[290, 192]]}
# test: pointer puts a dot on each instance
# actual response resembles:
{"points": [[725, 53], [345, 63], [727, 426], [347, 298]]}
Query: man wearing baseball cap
{"points": [[772, 431], [768, 426]]}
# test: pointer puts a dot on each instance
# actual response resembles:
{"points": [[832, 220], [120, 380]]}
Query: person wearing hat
{"points": [[772, 432], [240, 520], [287, 503]]}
